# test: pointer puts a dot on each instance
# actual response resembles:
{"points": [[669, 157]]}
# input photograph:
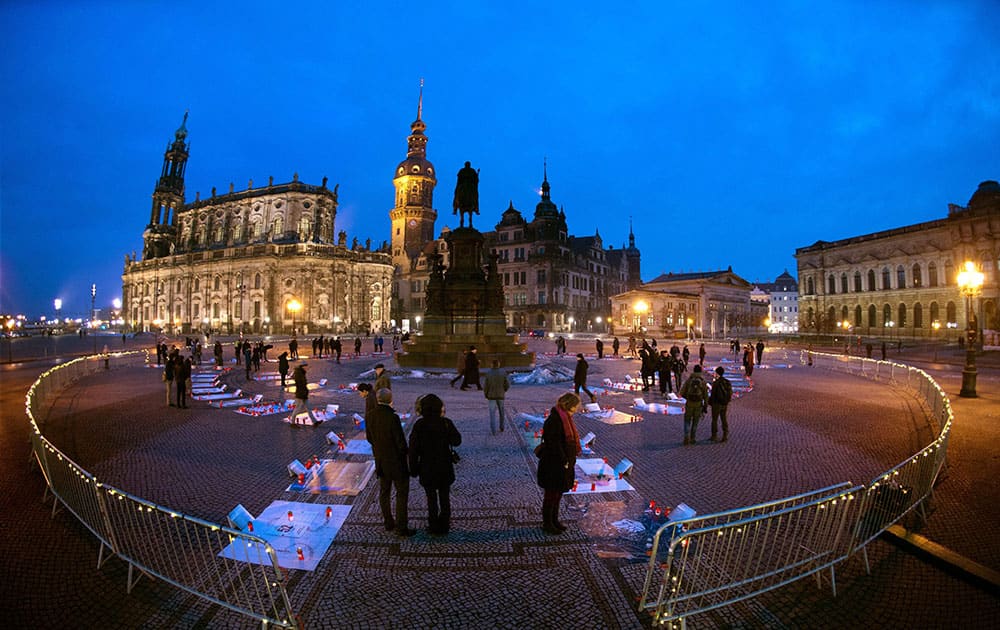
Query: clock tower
{"points": [[413, 215], [412, 224]]}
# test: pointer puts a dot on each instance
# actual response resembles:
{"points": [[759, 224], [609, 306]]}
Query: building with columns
{"points": [[262, 260], [701, 304], [903, 282]]}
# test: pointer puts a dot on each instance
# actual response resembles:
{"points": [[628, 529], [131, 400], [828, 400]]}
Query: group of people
{"points": [[176, 376], [698, 396]]}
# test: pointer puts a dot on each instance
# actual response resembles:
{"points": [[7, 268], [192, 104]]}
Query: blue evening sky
{"points": [[731, 132]]}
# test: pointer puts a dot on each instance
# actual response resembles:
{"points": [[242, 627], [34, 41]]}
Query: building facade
{"points": [[704, 304], [552, 280], [782, 300], [904, 281], [260, 260]]}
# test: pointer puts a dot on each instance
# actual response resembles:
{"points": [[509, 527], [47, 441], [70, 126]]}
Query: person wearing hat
{"points": [[722, 394], [384, 432], [381, 378], [301, 394], [580, 377]]}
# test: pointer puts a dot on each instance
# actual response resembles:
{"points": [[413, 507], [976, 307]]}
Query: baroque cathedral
{"points": [[259, 260]]}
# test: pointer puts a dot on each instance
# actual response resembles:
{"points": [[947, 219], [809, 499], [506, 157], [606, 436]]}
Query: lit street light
{"points": [[93, 297], [935, 326], [294, 306], [970, 281], [639, 308]]}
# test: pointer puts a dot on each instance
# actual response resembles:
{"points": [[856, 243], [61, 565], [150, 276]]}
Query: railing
{"points": [[719, 559], [154, 540]]}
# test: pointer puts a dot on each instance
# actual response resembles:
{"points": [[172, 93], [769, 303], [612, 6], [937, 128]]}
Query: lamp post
{"points": [[571, 322], [970, 281], [417, 319], [935, 326], [267, 325], [294, 306], [639, 308], [93, 298]]}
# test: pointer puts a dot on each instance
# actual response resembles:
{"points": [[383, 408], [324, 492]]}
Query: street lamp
{"points": [[690, 332], [571, 321], [639, 308], [970, 281], [93, 298], [417, 319], [935, 326], [294, 306]]}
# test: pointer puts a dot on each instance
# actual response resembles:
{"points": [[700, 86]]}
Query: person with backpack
{"points": [[722, 394], [695, 394]]}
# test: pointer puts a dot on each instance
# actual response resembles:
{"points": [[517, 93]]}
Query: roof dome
{"points": [[416, 165], [986, 196]]}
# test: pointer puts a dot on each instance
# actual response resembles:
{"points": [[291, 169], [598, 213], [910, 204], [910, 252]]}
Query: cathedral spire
{"points": [[631, 236], [420, 99], [545, 179], [416, 143]]}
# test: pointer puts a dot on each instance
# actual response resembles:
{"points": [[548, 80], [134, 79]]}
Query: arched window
{"points": [[843, 313], [857, 282], [857, 315], [900, 277], [950, 313], [304, 229], [197, 283], [918, 316], [832, 285], [950, 279], [277, 227], [216, 283], [886, 277], [901, 320], [255, 229], [178, 286], [810, 287], [886, 315], [872, 316], [843, 283], [256, 281], [871, 279], [917, 276], [831, 316], [218, 234], [935, 313], [932, 275], [238, 234]]}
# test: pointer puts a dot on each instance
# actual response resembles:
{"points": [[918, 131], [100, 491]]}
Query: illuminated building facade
{"points": [[234, 262]]}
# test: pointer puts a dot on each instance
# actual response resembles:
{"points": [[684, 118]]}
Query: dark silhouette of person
{"points": [[431, 460]]}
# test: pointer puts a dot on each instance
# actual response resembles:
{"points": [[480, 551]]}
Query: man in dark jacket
{"points": [[381, 378], [301, 394], [471, 374], [430, 459], [722, 394], [283, 367], [580, 377], [695, 395], [385, 433], [599, 345]]}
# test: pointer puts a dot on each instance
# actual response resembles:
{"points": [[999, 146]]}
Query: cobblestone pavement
{"points": [[800, 429]]}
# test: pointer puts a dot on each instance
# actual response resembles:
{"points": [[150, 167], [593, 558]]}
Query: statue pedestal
{"points": [[464, 308]]}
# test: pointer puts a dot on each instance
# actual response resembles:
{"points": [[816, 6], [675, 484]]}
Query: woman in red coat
{"points": [[557, 459]]}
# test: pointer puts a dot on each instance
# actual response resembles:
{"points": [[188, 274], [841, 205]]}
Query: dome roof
{"points": [[415, 165], [511, 216], [986, 196]]}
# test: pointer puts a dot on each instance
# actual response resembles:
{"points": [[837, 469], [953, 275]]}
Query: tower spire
{"points": [[420, 100], [631, 236], [545, 178]]}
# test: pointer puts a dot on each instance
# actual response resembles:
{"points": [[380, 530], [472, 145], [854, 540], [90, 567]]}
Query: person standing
{"points": [[760, 351], [368, 394], [169, 369], [695, 395], [883, 350], [600, 348], [701, 355], [580, 377], [385, 433], [557, 459], [217, 351], [237, 349], [338, 347], [381, 378], [471, 374], [357, 346], [293, 348], [631, 346], [496, 388], [430, 460], [748, 359], [719, 398], [615, 345], [283, 367], [665, 367], [182, 374], [301, 394]]}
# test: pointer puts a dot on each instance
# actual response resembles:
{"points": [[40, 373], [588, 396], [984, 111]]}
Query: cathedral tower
{"points": [[168, 198], [633, 257], [413, 215]]}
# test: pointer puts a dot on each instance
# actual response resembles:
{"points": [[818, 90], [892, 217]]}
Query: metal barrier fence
{"points": [[225, 566], [719, 559]]}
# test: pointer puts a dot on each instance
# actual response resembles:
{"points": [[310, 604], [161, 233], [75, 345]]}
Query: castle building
{"points": [[260, 260], [903, 282], [701, 304], [552, 280]]}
